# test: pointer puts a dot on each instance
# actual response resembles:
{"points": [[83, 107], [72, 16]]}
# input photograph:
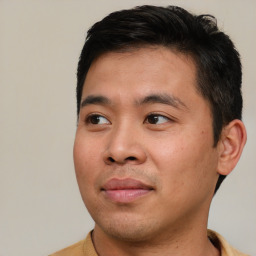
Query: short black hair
{"points": [[219, 74]]}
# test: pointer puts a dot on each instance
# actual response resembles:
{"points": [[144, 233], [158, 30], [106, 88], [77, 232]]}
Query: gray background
{"points": [[40, 40]]}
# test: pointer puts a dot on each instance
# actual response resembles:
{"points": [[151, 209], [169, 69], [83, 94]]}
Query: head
{"points": [[217, 61], [159, 105]]}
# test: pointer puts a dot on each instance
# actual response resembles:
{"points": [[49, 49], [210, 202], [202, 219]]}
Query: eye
{"points": [[156, 119], [96, 119]]}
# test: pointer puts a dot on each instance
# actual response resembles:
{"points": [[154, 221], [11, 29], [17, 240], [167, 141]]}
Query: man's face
{"points": [[143, 152]]}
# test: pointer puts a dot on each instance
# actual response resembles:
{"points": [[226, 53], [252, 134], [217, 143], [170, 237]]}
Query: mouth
{"points": [[125, 190]]}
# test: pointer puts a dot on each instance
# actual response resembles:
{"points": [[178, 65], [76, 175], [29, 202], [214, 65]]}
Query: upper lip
{"points": [[128, 183]]}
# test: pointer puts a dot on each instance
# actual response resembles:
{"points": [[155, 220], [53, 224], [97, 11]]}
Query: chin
{"points": [[129, 229]]}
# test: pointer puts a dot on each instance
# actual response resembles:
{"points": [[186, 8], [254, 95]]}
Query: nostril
{"points": [[132, 158], [111, 159]]}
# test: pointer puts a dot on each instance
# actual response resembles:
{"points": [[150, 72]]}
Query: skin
{"points": [[142, 118]]}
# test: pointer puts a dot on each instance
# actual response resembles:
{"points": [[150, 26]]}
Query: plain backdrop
{"points": [[41, 210]]}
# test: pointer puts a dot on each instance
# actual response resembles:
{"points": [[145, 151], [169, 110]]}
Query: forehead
{"points": [[151, 66]]}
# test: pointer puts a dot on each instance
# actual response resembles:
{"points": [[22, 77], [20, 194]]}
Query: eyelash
{"points": [[158, 116], [89, 119]]}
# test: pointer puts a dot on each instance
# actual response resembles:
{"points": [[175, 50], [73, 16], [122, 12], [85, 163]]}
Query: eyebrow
{"points": [[93, 99], [162, 98]]}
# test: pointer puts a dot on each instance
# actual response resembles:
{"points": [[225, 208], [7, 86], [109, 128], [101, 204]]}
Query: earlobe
{"points": [[231, 145]]}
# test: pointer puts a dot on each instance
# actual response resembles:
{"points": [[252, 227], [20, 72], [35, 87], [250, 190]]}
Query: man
{"points": [[159, 128]]}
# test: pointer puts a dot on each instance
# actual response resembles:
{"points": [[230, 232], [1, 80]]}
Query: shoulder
{"points": [[220, 243], [82, 248], [75, 249]]}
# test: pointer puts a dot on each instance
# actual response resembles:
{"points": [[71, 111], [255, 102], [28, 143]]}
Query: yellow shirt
{"points": [[86, 248]]}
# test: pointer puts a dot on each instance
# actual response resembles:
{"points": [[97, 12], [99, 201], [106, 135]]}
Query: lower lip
{"points": [[126, 195]]}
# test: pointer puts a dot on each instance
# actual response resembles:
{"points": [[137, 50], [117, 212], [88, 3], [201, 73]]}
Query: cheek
{"points": [[185, 161], [85, 167], [85, 159]]}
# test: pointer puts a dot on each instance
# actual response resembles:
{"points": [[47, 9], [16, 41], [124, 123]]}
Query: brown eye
{"points": [[97, 119], [156, 119]]}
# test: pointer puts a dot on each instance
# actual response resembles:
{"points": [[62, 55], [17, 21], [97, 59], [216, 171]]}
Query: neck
{"points": [[191, 242]]}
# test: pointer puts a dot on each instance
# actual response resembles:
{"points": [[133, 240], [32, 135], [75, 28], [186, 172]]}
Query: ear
{"points": [[230, 146]]}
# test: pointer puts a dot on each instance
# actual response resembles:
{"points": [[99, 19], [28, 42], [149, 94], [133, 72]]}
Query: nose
{"points": [[124, 147]]}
